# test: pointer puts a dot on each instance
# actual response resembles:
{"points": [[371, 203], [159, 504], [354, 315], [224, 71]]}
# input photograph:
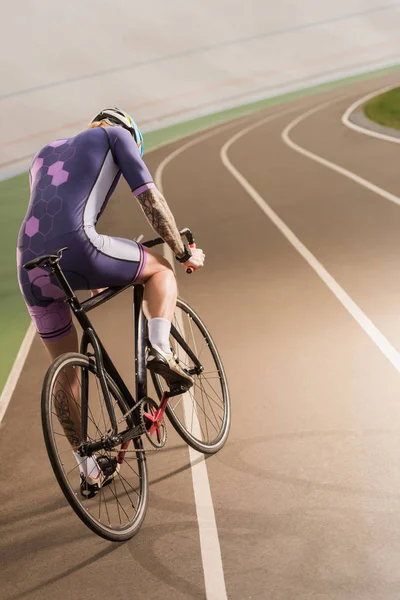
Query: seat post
{"points": [[71, 297], [57, 272]]}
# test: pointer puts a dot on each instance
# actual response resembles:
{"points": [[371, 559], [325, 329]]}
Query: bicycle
{"points": [[113, 424]]}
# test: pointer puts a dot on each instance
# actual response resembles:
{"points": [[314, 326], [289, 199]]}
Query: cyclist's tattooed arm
{"points": [[160, 217], [61, 404]]}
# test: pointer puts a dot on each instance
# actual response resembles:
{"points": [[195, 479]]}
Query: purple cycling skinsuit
{"points": [[71, 182]]}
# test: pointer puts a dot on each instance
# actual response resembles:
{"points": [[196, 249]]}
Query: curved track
{"points": [[301, 292]]}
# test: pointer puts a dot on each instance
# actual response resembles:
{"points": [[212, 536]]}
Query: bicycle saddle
{"points": [[46, 259]]}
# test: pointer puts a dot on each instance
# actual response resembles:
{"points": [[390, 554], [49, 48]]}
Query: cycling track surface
{"points": [[301, 292]]}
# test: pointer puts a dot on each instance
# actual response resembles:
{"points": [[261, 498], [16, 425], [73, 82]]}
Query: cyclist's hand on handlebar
{"points": [[196, 261]]}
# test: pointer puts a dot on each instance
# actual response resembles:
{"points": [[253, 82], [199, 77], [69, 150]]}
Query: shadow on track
{"points": [[71, 571]]}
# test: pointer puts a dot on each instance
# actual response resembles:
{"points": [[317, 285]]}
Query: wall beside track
{"points": [[170, 61]]}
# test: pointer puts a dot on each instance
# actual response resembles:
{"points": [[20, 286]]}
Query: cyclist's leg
{"points": [[53, 321], [54, 325], [159, 304], [67, 404], [67, 401], [160, 291], [120, 258], [67, 343]]}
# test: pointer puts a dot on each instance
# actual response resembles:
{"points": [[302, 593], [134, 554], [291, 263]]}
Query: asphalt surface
{"points": [[306, 491]]}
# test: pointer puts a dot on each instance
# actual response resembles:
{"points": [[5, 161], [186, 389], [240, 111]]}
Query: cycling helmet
{"points": [[116, 116]]}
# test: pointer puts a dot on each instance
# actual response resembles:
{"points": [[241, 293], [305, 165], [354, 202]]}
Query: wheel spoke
{"points": [[194, 341], [177, 404], [204, 409], [210, 399], [105, 505], [116, 498], [205, 414], [100, 498], [176, 323], [122, 478], [202, 379], [195, 405], [119, 512], [123, 481], [73, 469], [212, 409]]}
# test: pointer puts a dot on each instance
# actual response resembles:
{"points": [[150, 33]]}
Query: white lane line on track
{"points": [[193, 142], [365, 323], [15, 372], [348, 123], [214, 579], [327, 163]]}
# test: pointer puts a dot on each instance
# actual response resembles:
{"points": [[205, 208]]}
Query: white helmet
{"points": [[116, 116]]}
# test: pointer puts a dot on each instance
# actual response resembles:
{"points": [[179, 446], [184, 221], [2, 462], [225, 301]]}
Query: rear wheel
{"points": [[118, 509], [202, 415]]}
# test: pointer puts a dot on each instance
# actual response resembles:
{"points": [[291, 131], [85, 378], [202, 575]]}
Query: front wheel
{"points": [[118, 509], [202, 415]]}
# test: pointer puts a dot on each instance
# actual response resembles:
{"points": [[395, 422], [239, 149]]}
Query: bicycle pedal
{"points": [[177, 390], [107, 465]]}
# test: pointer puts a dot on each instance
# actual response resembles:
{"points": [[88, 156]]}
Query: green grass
{"points": [[14, 318], [14, 196], [385, 109]]}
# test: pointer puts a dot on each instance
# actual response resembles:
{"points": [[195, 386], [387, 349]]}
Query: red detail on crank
{"points": [[157, 417]]}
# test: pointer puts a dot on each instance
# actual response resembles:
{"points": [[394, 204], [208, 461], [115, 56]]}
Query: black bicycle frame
{"points": [[103, 361]]}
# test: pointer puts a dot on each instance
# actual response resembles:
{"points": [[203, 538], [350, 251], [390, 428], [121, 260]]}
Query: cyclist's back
{"points": [[72, 179], [71, 183]]}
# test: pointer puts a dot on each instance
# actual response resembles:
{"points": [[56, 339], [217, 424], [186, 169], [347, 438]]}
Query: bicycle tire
{"points": [[191, 434], [49, 424]]}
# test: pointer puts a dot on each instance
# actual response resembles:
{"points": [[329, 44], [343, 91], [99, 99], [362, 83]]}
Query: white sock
{"points": [[159, 330], [87, 465]]}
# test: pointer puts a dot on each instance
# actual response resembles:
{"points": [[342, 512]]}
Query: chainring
{"points": [[155, 432]]}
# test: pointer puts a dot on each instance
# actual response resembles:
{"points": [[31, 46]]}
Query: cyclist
{"points": [[71, 181]]}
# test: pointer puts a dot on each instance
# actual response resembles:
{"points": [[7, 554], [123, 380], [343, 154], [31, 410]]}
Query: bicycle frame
{"points": [[103, 361], [90, 337]]}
